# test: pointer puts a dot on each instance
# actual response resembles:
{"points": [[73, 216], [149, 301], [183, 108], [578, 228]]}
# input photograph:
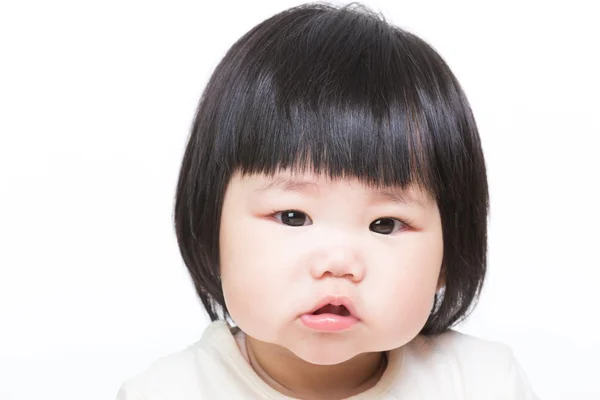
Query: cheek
{"points": [[252, 273], [406, 287]]}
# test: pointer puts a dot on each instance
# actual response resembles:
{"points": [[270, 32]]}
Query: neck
{"points": [[294, 377]]}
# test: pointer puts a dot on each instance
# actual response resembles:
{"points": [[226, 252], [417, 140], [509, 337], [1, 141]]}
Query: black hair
{"points": [[337, 90]]}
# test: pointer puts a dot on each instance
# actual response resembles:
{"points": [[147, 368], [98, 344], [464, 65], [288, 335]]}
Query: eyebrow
{"points": [[311, 187]]}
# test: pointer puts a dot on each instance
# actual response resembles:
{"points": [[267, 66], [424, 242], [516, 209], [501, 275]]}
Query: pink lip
{"points": [[330, 322]]}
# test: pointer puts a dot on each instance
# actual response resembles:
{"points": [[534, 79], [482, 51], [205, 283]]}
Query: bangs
{"points": [[340, 94]]}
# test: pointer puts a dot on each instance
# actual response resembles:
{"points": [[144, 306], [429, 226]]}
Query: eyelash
{"points": [[406, 222]]}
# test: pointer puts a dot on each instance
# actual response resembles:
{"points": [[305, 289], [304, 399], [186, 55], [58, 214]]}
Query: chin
{"points": [[324, 353]]}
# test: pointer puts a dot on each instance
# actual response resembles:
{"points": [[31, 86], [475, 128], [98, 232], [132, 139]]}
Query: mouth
{"points": [[332, 314], [335, 305], [340, 310]]}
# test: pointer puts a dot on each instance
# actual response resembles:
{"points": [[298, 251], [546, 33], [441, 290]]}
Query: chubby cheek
{"points": [[406, 312], [253, 278], [404, 291]]}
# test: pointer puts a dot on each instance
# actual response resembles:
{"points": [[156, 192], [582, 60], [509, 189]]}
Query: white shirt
{"points": [[449, 366]]}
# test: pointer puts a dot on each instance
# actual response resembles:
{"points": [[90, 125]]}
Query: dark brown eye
{"points": [[294, 218], [385, 226]]}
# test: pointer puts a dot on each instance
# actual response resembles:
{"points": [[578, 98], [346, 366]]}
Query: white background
{"points": [[96, 102]]}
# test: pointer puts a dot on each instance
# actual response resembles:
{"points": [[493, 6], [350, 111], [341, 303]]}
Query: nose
{"points": [[340, 261]]}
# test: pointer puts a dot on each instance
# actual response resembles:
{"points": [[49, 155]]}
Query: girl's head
{"points": [[333, 154]]}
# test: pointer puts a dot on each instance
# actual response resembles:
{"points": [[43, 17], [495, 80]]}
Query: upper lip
{"points": [[335, 301]]}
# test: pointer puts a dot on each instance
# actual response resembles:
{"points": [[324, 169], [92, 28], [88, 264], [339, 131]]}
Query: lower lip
{"points": [[328, 322]]}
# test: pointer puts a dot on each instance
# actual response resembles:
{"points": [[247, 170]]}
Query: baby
{"points": [[332, 212]]}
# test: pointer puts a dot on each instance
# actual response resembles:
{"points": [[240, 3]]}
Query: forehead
{"points": [[311, 184]]}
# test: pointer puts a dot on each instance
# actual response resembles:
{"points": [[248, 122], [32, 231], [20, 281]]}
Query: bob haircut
{"points": [[337, 90]]}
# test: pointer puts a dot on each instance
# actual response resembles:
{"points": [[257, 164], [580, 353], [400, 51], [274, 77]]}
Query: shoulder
{"points": [[472, 367], [179, 375], [463, 348]]}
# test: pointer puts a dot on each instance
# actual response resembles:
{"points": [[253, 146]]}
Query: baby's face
{"points": [[285, 247]]}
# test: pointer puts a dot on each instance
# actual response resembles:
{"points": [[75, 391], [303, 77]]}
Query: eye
{"points": [[293, 218], [385, 226]]}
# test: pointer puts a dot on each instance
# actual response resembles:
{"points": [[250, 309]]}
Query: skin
{"points": [[273, 272]]}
